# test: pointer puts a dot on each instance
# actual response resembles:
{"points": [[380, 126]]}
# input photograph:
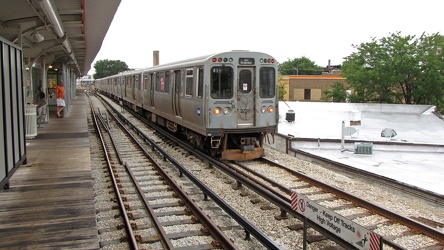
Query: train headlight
{"points": [[217, 111], [227, 110], [263, 109]]}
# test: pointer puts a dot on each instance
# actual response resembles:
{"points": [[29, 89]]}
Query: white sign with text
{"points": [[355, 234]]}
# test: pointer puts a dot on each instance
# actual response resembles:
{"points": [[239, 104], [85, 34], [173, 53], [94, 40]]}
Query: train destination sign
{"points": [[353, 233], [246, 61]]}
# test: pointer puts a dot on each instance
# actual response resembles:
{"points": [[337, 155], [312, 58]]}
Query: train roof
{"points": [[204, 58], [191, 61]]}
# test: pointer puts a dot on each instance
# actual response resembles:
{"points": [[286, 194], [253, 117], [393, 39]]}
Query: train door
{"points": [[245, 97], [177, 82]]}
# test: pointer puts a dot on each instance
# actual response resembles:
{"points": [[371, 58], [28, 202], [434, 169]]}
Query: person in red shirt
{"points": [[60, 92]]}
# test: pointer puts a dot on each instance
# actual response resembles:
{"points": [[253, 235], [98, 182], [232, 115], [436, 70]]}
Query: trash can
{"points": [[31, 120]]}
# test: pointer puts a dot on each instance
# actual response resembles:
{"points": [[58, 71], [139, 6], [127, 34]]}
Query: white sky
{"points": [[285, 29]]}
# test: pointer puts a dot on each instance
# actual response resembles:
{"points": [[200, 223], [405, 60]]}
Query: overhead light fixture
{"points": [[37, 37]]}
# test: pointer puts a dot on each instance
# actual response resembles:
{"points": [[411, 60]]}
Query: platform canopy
{"points": [[69, 31]]}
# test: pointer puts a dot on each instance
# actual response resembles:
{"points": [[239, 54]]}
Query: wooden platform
{"points": [[50, 203]]}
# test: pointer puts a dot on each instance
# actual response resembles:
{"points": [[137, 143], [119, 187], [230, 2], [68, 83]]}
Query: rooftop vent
{"points": [[364, 148]]}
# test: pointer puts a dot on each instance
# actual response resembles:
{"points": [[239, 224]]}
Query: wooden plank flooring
{"points": [[50, 203]]}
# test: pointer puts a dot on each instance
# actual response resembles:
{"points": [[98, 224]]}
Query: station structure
{"points": [[43, 42]]}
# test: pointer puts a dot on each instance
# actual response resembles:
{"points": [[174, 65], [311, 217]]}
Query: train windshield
{"points": [[267, 82], [222, 82]]}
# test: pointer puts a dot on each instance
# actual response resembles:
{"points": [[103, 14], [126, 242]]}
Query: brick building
{"points": [[310, 87]]}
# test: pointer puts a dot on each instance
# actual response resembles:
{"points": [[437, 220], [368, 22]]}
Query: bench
{"points": [[41, 115]]}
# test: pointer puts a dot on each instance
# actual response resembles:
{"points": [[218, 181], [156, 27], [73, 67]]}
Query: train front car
{"points": [[242, 104]]}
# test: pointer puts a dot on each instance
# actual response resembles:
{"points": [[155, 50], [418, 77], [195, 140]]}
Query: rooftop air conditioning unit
{"points": [[364, 148]]}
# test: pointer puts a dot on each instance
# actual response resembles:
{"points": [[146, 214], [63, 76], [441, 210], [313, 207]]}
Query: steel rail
{"points": [[215, 231], [128, 228], [249, 228], [163, 235], [415, 225]]}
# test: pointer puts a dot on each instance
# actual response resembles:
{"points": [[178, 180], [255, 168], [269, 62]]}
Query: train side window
{"points": [[189, 83], [267, 79], [157, 81], [200, 80], [221, 82], [137, 82], [146, 80], [162, 82], [167, 82], [178, 82]]}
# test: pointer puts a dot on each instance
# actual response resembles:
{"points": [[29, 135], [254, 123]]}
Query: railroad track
{"points": [[154, 210], [285, 208], [408, 190], [397, 231]]}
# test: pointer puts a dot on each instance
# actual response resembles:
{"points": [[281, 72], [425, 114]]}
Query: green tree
{"points": [[107, 67], [282, 89], [337, 93], [397, 69], [300, 66]]}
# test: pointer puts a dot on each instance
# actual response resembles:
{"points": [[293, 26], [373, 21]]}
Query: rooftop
{"points": [[413, 156]]}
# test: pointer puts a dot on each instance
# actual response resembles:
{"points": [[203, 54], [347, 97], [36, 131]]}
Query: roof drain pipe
{"points": [[54, 18]]}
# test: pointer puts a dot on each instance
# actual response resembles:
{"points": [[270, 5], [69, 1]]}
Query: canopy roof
{"points": [[62, 31]]}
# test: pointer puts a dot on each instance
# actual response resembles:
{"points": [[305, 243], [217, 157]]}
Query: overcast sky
{"points": [[286, 29]]}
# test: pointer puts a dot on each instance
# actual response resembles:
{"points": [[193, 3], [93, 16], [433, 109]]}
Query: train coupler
{"points": [[215, 141]]}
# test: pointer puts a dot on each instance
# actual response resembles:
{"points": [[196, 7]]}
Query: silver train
{"points": [[225, 103]]}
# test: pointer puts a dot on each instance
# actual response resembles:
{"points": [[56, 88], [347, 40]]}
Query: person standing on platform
{"points": [[60, 92]]}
